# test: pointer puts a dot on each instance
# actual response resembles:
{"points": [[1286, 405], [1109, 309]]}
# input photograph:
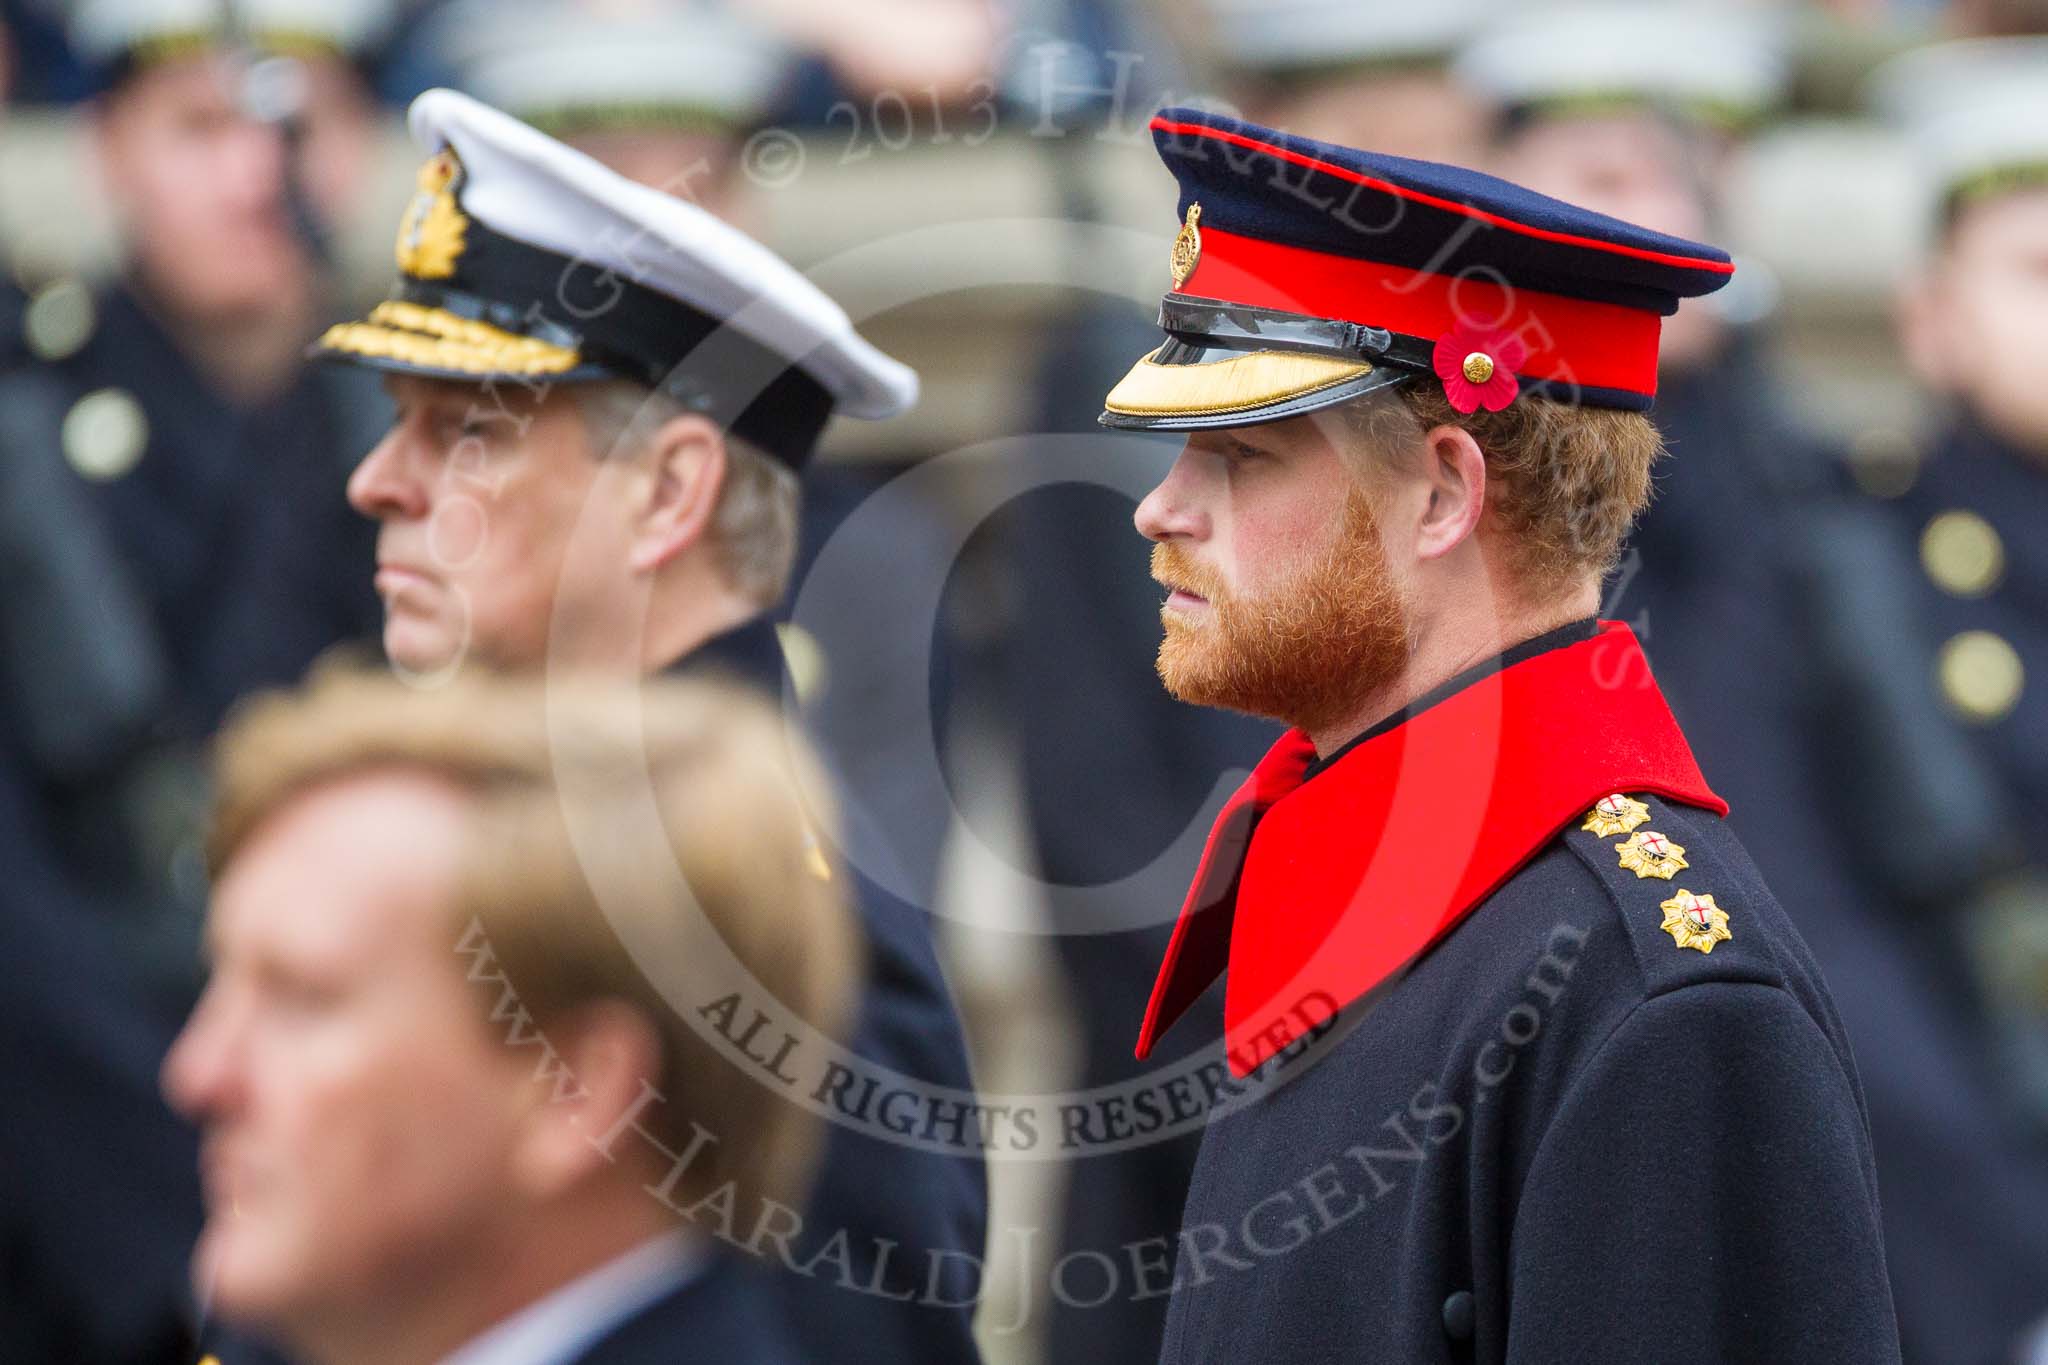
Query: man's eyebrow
{"points": [[1226, 442]]}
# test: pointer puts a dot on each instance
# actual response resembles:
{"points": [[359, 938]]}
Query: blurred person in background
{"points": [[446, 1116], [1115, 770], [936, 54], [170, 507], [1334, 71], [1973, 323], [940, 47], [662, 93], [102, 1202], [1785, 658], [606, 398], [1996, 18], [1638, 111], [187, 462]]}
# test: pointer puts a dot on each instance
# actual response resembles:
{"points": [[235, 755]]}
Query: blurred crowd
{"points": [[1836, 582]]}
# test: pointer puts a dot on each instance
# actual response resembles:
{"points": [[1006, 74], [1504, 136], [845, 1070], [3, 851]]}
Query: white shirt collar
{"points": [[560, 1326]]}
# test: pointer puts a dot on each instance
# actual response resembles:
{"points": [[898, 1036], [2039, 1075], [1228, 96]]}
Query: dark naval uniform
{"points": [[1609, 1114], [1974, 511], [1977, 1108], [233, 516], [217, 556], [169, 552], [1529, 1064], [915, 1222]]}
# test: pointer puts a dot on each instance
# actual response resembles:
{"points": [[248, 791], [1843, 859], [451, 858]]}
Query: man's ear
{"points": [[1454, 471], [608, 1058], [687, 464]]}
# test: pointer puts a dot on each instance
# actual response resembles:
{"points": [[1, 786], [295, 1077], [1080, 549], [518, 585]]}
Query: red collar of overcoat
{"points": [[1313, 892]]}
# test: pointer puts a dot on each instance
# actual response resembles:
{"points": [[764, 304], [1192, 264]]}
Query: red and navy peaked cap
{"points": [[1306, 274]]}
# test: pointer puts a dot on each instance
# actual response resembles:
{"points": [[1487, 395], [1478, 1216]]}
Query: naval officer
{"points": [[606, 397]]}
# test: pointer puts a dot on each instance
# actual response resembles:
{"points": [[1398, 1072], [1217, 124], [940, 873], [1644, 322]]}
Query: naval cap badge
{"points": [[430, 236]]}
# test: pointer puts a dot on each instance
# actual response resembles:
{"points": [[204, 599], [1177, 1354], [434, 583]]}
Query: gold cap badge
{"points": [[1649, 854], [1694, 921], [1616, 814], [1187, 248], [430, 236]]}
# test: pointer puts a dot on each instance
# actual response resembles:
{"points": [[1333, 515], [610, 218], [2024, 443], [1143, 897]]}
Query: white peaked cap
{"points": [[1970, 109], [1680, 53], [1290, 34], [103, 30], [521, 256], [543, 57]]}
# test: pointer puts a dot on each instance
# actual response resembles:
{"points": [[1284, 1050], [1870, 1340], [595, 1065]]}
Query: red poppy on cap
{"points": [[1478, 367]]}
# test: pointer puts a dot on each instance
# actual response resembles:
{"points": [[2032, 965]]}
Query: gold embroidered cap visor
{"points": [[416, 338], [1230, 365]]}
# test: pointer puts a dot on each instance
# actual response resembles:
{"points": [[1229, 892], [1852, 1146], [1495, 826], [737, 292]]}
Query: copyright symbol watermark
{"points": [[773, 158]]}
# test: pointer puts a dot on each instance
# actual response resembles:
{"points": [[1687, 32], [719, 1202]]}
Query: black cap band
{"points": [[625, 330]]}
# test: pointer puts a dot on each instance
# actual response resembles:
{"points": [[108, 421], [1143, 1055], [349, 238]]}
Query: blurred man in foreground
{"points": [[605, 396], [447, 1114]]}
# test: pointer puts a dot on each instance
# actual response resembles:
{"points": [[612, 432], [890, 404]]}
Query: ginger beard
{"points": [[1308, 651]]}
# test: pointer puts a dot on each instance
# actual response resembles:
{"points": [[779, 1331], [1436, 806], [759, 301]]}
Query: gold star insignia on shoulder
{"points": [[1616, 814], [1649, 854], [1694, 921]]}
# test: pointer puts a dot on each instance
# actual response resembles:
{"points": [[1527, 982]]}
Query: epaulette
{"points": [[1689, 915]]}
